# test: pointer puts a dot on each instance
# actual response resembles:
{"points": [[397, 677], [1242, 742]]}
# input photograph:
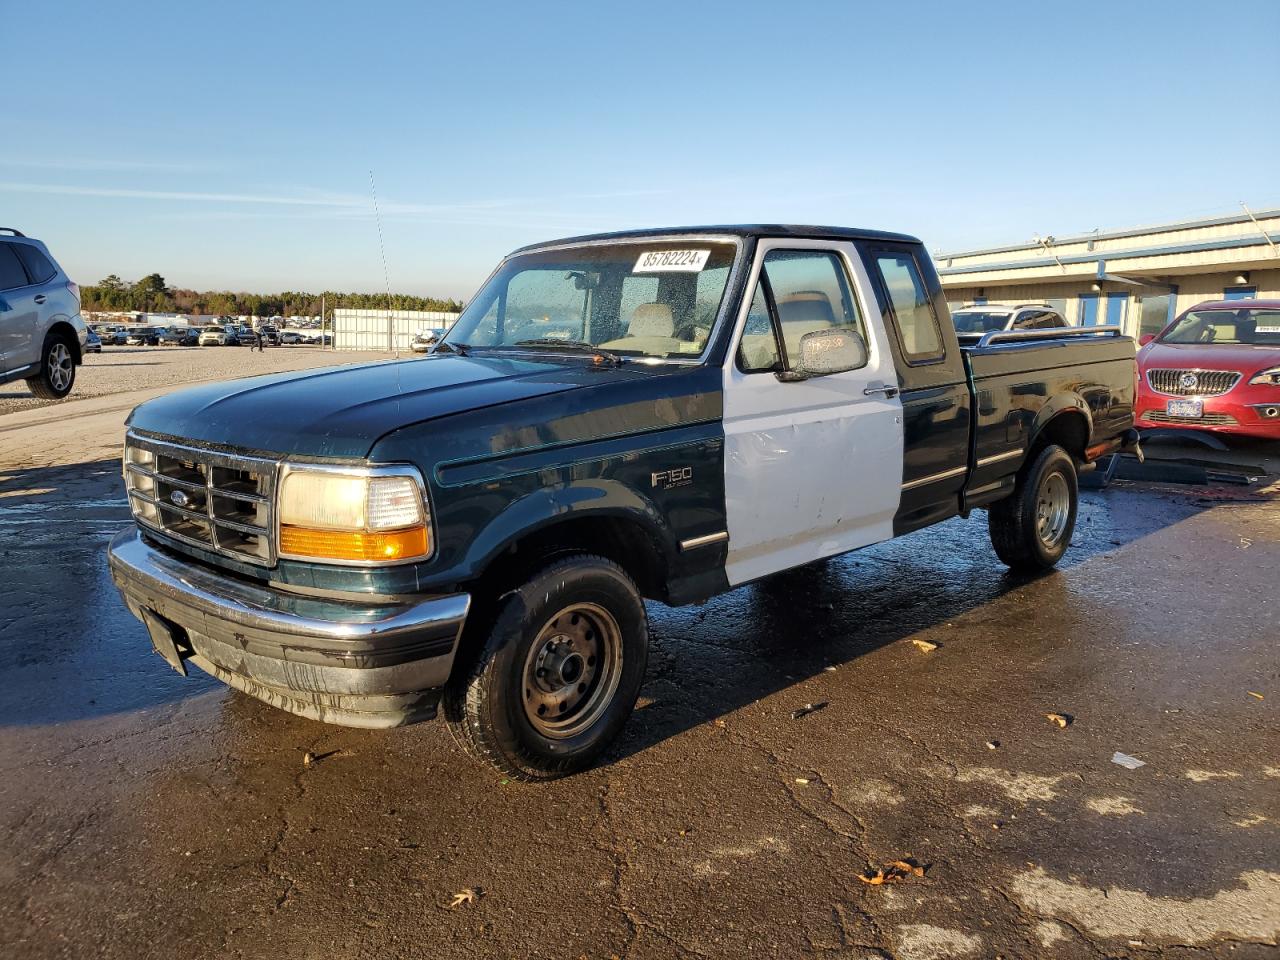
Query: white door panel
{"points": [[812, 468]]}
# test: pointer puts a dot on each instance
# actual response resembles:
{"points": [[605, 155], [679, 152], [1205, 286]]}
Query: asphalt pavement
{"points": [[147, 815]]}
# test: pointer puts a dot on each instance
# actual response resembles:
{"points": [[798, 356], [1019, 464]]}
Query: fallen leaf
{"points": [[1061, 719], [808, 708], [802, 781], [1252, 694], [892, 873], [925, 645], [467, 896], [308, 758]]}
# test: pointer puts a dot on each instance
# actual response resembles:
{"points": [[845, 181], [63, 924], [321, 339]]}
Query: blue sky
{"points": [[229, 145]]}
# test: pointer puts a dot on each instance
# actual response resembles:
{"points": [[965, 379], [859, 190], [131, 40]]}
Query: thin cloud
{"points": [[105, 164]]}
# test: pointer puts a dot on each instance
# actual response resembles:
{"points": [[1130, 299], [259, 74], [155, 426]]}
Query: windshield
{"points": [[968, 321], [1261, 327], [652, 299]]}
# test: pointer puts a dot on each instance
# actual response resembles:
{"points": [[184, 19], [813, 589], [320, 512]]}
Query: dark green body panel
{"points": [[506, 446]]}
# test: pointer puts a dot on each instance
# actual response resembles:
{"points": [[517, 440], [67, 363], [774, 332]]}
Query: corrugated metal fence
{"points": [[385, 330]]}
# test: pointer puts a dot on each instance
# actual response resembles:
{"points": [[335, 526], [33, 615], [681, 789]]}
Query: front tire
{"points": [[57, 369], [558, 674], [1032, 528]]}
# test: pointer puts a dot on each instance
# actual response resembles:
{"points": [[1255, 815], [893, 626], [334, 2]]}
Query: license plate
{"points": [[163, 641], [1185, 408]]}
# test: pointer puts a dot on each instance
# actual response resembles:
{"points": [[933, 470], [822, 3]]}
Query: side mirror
{"points": [[1145, 339], [824, 352]]}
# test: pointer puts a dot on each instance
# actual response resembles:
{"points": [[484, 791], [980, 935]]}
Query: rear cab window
{"points": [[799, 291], [917, 324]]}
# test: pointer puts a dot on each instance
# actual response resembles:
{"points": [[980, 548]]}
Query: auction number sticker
{"points": [[663, 261], [1266, 328]]}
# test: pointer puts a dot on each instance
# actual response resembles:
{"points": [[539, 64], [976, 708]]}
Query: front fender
{"points": [[597, 497]]}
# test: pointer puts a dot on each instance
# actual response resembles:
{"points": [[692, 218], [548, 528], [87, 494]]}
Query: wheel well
{"points": [[68, 333], [626, 542], [1068, 429]]}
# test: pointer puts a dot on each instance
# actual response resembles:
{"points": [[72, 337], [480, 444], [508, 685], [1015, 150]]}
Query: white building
{"points": [[1140, 278]]}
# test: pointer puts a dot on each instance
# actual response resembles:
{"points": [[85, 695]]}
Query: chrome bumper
{"points": [[373, 663]]}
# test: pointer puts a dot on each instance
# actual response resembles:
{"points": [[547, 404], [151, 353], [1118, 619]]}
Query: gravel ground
{"points": [[121, 369]]}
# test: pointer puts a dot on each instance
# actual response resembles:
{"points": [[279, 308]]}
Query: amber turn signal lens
{"points": [[344, 545]]}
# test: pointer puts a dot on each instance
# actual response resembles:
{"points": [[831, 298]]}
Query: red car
{"points": [[1215, 368]]}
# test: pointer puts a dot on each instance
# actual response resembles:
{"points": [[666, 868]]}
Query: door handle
{"points": [[40, 298], [889, 392]]}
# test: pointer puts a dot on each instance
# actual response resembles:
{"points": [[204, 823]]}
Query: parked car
{"points": [[111, 336], [423, 340], [144, 336], [227, 336], [696, 435], [291, 337], [92, 342], [324, 339], [180, 337], [1216, 368], [985, 318], [42, 335]]}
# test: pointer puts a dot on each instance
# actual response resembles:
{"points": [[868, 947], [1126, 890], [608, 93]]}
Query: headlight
{"points": [[353, 516], [1269, 377]]}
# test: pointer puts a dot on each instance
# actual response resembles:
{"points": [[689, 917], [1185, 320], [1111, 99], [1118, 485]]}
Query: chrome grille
{"points": [[1192, 383], [1209, 419], [217, 501]]}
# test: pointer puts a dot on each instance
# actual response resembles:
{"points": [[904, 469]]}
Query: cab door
{"points": [[813, 467]]}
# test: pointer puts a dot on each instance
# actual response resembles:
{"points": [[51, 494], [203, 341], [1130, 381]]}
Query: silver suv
{"points": [[42, 336], [987, 317]]}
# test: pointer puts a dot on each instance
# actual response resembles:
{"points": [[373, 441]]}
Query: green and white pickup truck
{"points": [[659, 415]]}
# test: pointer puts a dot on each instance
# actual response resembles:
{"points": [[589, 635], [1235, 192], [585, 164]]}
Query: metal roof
{"points": [[1119, 234]]}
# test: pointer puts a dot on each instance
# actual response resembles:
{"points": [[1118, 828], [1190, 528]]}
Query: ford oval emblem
{"points": [[1188, 381], [179, 498]]}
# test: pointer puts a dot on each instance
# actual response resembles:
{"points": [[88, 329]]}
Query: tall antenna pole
{"points": [[386, 277]]}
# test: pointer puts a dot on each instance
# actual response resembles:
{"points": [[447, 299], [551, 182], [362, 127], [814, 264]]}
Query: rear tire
{"points": [[57, 369], [1031, 529], [558, 674]]}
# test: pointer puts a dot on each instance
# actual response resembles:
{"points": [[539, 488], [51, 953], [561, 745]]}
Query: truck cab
{"points": [[647, 416]]}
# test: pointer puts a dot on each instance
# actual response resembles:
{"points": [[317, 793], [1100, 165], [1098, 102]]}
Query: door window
{"points": [[917, 325], [38, 266], [11, 273], [800, 291]]}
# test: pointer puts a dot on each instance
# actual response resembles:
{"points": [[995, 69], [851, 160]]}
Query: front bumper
{"points": [[370, 663], [1245, 411]]}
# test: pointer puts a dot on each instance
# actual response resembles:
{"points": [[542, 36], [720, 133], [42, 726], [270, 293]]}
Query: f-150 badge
{"points": [[675, 477]]}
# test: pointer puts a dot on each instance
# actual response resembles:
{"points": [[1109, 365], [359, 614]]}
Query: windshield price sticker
{"points": [[663, 261]]}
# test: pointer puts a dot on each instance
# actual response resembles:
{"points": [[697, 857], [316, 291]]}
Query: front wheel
{"points": [[1032, 528], [558, 674], [57, 370]]}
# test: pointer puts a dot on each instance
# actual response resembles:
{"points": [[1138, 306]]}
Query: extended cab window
{"points": [[808, 290], [917, 325]]}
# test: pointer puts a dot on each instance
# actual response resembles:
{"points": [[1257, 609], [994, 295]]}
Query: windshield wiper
{"points": [[576, 346], [444, 346]]}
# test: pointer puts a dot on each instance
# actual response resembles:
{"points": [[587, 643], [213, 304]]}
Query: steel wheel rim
{"points": [[1053, 507], [60, 366], [572, 671]]}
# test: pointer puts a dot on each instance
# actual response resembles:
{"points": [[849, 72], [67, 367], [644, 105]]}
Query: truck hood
{"points": [[342, 411]]}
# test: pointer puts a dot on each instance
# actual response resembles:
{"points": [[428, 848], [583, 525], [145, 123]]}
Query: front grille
{"points": [[218, 501], [1192, 383], [1209, 419]]}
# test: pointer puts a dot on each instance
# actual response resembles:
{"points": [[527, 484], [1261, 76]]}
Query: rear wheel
{"points": [[1032, 529], [558, 674], [57, 369]]}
